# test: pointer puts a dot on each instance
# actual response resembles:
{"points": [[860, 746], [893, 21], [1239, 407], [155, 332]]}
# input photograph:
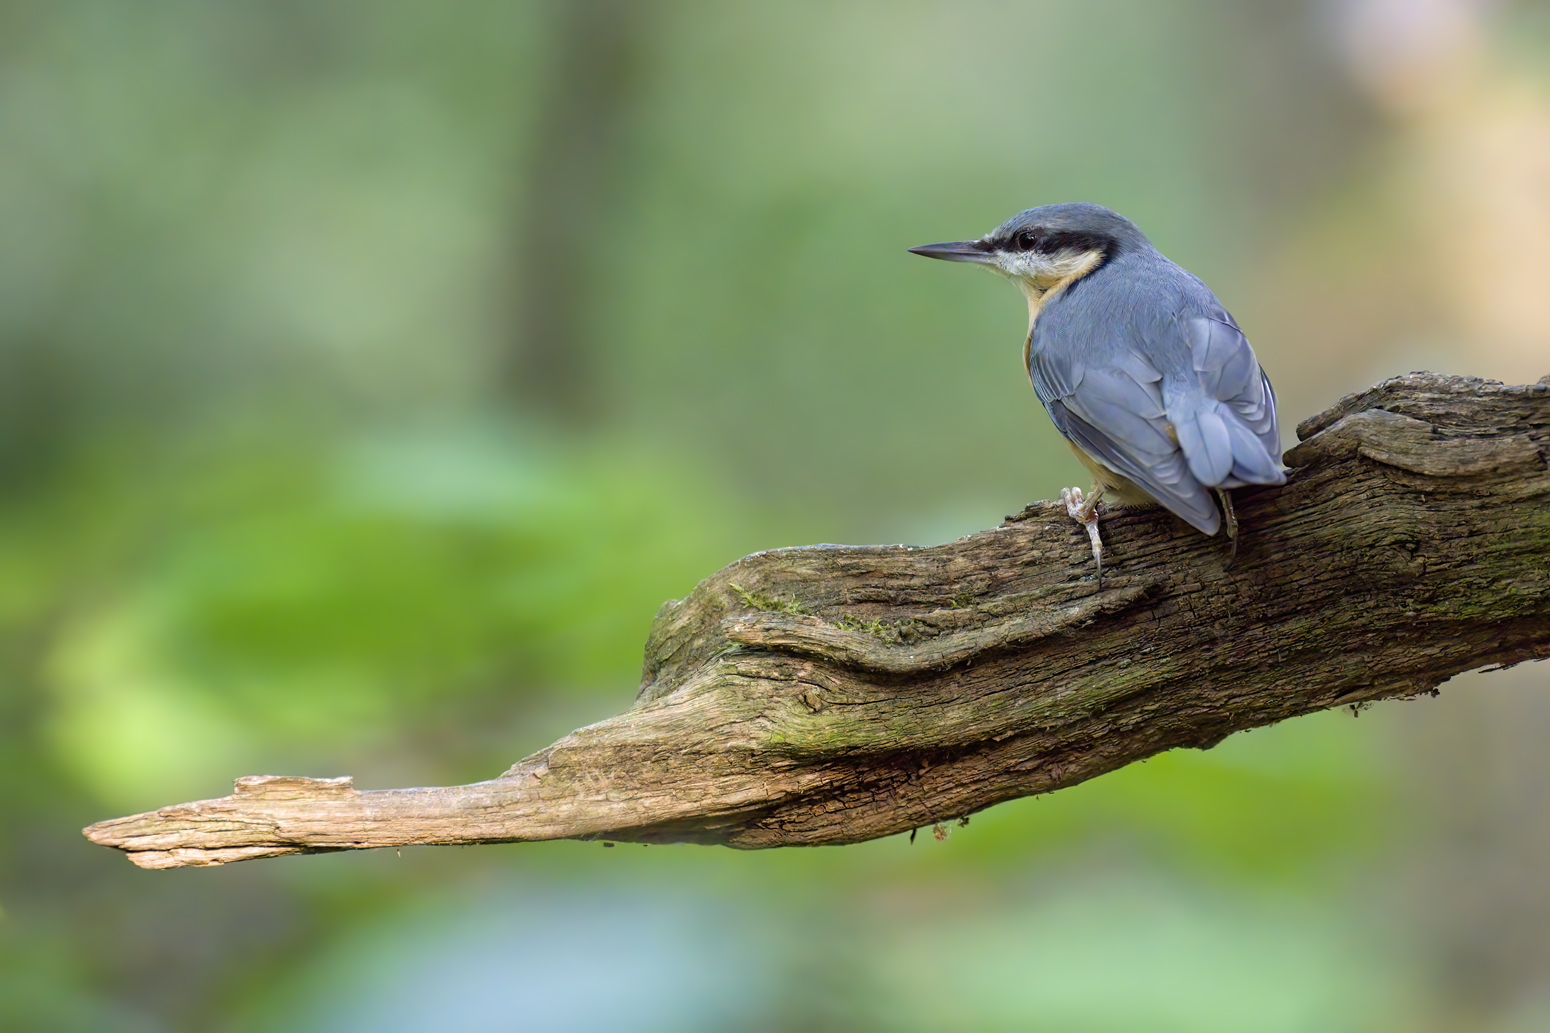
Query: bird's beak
{"points": [[957, 251]]}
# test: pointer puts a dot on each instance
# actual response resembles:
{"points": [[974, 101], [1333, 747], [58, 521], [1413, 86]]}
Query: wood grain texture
{"points": [[835, 694]]}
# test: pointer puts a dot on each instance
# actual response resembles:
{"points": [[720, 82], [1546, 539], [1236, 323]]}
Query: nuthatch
{"points": [[1143, 371]]}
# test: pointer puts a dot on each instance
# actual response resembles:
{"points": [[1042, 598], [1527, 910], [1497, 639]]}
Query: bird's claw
{"points": [[1085, 512], [1231, 522]]}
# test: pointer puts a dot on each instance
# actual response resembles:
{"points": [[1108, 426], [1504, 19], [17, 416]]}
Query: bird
{"points": [[1142, 370]]}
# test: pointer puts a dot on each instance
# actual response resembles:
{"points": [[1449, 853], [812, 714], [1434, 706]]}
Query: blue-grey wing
{"points": [[1114, 412], [1210, 424]]}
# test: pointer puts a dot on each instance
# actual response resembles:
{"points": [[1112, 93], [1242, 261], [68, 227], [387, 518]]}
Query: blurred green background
{"points": [[371, 371]]}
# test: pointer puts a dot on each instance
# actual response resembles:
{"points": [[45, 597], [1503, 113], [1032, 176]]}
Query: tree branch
{"points": [[833, 694]]}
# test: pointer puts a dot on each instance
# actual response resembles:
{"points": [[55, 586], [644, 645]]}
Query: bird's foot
{"points": [[1231, 523], [1085, 512]]}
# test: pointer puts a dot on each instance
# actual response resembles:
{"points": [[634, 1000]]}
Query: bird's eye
{"points": [[1025, 240]]}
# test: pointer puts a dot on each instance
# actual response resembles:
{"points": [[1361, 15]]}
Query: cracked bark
{"points": [[836, 694]]}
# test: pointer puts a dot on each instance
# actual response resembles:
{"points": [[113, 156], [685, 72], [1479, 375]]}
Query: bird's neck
{"points": [[1050, 280]]}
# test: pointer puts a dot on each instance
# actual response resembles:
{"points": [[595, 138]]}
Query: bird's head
{"points": [[1044, 249]]}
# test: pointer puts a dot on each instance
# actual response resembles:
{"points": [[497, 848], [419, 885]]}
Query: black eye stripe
{"points": [[1049, 242]]}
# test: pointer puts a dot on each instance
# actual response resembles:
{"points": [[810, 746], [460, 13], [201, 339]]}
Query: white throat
{"points": [[1040, 277]]}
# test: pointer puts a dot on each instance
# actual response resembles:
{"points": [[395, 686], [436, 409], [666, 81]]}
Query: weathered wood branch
{"points": [[834, 694]]}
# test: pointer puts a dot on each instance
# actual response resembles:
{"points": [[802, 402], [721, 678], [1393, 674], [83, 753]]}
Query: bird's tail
{"points": [[1227, 429]]}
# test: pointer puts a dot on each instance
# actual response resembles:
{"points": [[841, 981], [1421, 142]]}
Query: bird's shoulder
{"points": [[1139, 305]]}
